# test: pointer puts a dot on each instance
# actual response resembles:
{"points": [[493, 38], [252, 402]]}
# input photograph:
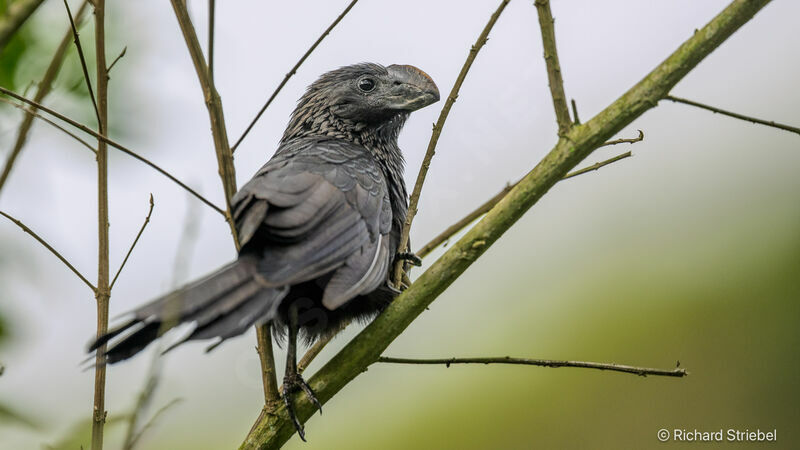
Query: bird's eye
{"points": [[366, 84]]}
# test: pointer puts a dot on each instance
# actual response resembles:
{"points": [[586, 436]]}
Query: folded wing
{"points": [[319, 209]]}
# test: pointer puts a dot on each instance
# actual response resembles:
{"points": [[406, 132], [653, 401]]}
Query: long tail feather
{"points": [[221, 305]]}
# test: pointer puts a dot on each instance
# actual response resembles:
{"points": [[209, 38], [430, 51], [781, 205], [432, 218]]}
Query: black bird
{"points": [[319, 225]]}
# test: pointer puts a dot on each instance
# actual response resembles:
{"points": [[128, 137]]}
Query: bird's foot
{"points": [[410, 257], [291, 382]]}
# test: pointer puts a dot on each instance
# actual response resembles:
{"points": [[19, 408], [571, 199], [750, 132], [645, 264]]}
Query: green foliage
{"points": [[13, 54]]}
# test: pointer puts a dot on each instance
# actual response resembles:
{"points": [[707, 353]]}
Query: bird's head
{"points": [[354, 98]]}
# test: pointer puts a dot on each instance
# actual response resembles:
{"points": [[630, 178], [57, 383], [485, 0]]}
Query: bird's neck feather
{"points": [[379, 138]]}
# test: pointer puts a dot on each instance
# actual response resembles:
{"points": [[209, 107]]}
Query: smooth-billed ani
{"points": [[319, 224]]}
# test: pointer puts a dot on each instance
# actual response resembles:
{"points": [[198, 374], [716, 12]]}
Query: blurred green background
{"points": [[689, 251]]}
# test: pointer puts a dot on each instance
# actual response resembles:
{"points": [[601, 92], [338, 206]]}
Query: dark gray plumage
{"points": [[319, 223]]}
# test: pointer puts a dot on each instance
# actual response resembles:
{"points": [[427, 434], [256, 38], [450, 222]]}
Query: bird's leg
{"points": [[291, 379], [410, 257]]}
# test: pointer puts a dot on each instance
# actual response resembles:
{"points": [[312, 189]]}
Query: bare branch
{"points": [[48, 247], [135, 241], [274, 430], [768, 123], [445, 235], [546, 23], [641, 371], [18, 13], [45, 86], [437, 131], [227, 172], [103, 292], [76, 38], [121, 54], [112, 143], [292, 72]]}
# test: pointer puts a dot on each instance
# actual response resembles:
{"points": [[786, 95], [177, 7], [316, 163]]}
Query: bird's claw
{"points": [[290, 384], [410, 257]]}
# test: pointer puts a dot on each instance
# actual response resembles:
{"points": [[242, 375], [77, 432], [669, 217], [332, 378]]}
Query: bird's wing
{"points": [[319, 208]]}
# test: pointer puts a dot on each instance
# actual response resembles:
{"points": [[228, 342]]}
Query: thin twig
{"points": [[641, 371], [227, 172], [103, 292], [575, 119], [768, 123], [76, 38], [437, 131], [121, 54], [597, 165], [50, 122], [50, 248], [45, 86], [114, 144], [18, 12], [292, 72], [450, 231], [135, 241], [546, 23]]}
